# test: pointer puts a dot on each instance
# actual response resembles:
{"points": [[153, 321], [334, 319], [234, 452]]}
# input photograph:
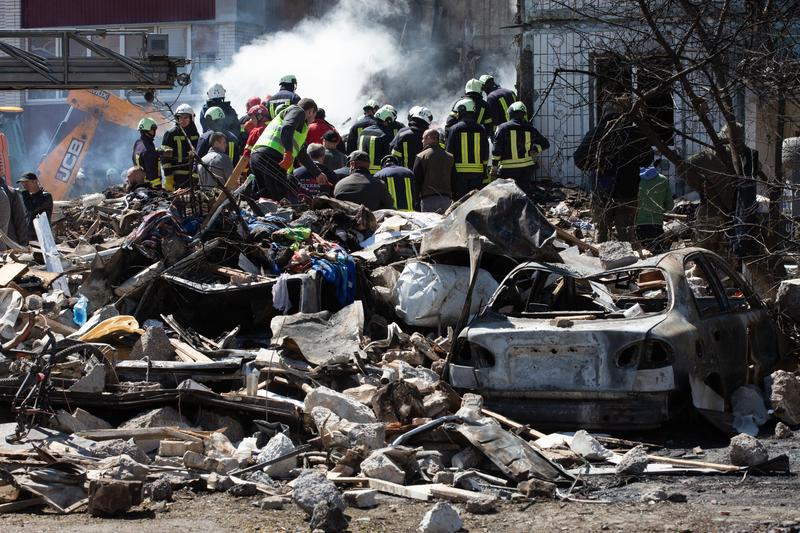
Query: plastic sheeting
{"points": [[431, 294], [509, 223]]}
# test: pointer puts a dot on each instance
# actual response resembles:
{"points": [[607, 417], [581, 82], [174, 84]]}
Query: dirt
{"points": [[714, 503]]}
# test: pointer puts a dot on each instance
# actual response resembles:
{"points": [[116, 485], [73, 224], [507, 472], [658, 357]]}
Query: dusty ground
{"points": [[715, 503]]}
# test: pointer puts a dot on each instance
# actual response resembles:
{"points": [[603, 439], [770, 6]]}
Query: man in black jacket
{"points": [[361, 187], [516, 144], [468, 141], [613, 152], [36, 199], [408, 141], [364, 121], [182, 140], [286, 96]]}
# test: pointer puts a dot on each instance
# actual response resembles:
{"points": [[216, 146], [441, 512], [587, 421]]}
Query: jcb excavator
{"points": [[59, 168]]}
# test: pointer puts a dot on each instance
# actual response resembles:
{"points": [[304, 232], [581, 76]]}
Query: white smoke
{"points": [[355, 51]]}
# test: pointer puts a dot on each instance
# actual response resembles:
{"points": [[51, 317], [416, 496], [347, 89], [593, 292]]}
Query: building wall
{"points": [[10, 20]]}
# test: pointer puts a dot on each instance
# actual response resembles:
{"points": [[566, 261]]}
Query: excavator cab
{"points": [[12, 143]]}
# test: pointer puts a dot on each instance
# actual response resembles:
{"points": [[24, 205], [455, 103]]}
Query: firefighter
{"points": [[145, 155], [245, 121], [408, 141], [215, 118], [375, 140], [516, 144], [365, 121], [400, 182], [181, 140], [469, 143], [259, 117], [498, 100], [282, 142], [473, 90], [395, 125], [216, 98], [286, 96]]}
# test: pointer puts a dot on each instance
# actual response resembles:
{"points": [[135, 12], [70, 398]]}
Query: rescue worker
{"points": [[360, 187], [216, 98], [375, 140], [215, 164], [434, 175], [145, 155], [181, 139], [284, 97], [399, 181], [473, 91], [498, 100], [395, 125], [317, 153], [408, 141], [364, 121], [259, 117], [516, 144], [36, 199], [215, 118], [469, 143], [282, 142], [246, 121], [318, 128], [334, 159], [14, 216]]}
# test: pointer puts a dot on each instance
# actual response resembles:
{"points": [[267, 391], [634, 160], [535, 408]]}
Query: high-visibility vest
{"points": [[464, 163], [367, 143], [392, 185], [271, 136]]}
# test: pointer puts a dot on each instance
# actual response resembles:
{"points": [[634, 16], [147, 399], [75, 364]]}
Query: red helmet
{"points": [[257, 110], [253, 101]]}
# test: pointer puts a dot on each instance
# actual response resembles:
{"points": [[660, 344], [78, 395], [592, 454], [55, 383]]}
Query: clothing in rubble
{"points": [[399, 181], [178, 170], [231, 117], [360, 187]]}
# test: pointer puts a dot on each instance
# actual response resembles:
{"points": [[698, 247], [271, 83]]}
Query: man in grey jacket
{"points": [[215, 162], [18, 220]]}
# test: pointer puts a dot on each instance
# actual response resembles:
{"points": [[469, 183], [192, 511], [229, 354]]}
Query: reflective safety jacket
{"points": [[400, 182], [355, 131], [280, 98], [516, 143], [469, 143], [498, 102], [407, 144], [375, 140], [145, 156], [179, 169]]}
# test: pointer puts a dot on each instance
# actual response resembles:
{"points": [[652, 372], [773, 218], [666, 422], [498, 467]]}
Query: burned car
{"points": [[627, 348]]}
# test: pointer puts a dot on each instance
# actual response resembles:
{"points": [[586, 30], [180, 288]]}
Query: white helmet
{"points": [[184, 109], [413, 111], [422, 113], [392, 110], [216, 91]]}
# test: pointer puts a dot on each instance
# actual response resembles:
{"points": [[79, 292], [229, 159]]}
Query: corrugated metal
{"points": [[47, 13]]}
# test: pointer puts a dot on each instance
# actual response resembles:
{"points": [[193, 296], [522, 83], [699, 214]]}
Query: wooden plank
{"points": [[185, 349], [414, 492], [20, 504], [572, 239], [157, 433], [694, 464], [10, 271], [507, 422], [453, 494]]}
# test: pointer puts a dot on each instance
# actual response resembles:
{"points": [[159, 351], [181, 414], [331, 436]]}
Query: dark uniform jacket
{"points": [[35, 204], [362, 188], [355, 131], [375, 140], [145, 156], [280, 98], [231, 118], [234, 151], [408, 143], [180, 167], [498, 102], [515, 144], [400, 183], [469, 143], [434, 172]]}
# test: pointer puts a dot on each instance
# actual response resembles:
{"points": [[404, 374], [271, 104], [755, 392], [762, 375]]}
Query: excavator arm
{"points": [[59, 168]]}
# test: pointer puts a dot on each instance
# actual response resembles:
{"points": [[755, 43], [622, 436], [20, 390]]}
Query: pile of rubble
{"points": [[302, 353]]}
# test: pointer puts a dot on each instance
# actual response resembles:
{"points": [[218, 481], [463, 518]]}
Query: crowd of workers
{"points": [[292, 151]]}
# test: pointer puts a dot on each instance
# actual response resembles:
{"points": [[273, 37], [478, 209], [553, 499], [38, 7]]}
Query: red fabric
{"points": [[317, 129], [255, 133]]}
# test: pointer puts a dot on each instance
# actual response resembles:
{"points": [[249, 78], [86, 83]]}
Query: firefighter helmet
{"points": [[215, 113], [384, 113], [465, 105], [473, 86], [517, 107], [216, 91], [184, 109], [289, 79], [422, 113], [146, 124]]}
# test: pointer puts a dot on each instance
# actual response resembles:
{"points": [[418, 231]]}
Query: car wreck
{"points": [[628, 348]]}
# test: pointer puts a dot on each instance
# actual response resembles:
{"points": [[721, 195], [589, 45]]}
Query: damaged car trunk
{"points": [[623, 349]]}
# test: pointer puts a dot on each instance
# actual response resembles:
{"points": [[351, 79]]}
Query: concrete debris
{"points": [[782, 431], [126, 469], [442, 518], [342, 405], [94, 379], [482, 506], [153, 344], [118, 447], [379, 466], [328, 518], [614, 254], [785, 397], [270, 503], [112, 497], [634, 462], [159, 490], [588, 447], [243, 490], [745, 450], [312, 488], [278, 446], [662, 495], [361, 498], [219, 482]]}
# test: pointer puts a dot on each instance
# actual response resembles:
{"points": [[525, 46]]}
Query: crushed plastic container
{"points": [[80, 311]]}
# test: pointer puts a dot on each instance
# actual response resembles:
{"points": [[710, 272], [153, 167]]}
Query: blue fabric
{"points": [[341, 273], [648, 173]]}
